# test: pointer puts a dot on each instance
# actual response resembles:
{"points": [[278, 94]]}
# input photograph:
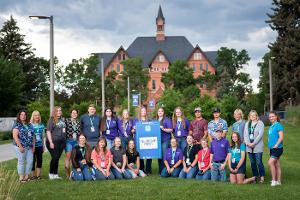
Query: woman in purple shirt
{"points": [[109, 127], [173, 160], [181, 127], [125, 125], [166, 130]]}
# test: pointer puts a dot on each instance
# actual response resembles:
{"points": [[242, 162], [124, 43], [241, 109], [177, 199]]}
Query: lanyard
{"points": [[178, 125], [108, 123], [234, 151], [173, 154], [126, 125], [252, 128], [203, 155], [92, 122], [74, 125], [82, 151], [189, 148]]}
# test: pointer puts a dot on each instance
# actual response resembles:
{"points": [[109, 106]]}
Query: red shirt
{"points": [[204, 157], [198, 127], [101, 159]]}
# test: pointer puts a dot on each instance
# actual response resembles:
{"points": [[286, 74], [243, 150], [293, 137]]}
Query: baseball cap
{"points": [[197, 109], [219, 130], [216, 110]]}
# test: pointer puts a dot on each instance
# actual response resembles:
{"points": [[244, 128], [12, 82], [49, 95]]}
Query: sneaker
{"points": [[51, 176], [278, 182], [55, 176], [273, 183]]}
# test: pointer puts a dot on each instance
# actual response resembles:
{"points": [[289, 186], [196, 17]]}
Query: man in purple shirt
{"points": [[219, 150]]}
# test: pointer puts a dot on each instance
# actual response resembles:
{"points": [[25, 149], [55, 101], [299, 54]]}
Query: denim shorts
{"points": [[70, 144], [241, 170], [276, 152]]}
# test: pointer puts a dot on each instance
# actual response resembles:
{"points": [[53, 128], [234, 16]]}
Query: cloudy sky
{"points": [[82, 27]]}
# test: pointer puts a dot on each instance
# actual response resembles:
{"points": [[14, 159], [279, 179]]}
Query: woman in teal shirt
{"points": [[275, 144]]}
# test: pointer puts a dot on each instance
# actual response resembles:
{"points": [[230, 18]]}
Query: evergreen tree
{"points": [[285, 20]]}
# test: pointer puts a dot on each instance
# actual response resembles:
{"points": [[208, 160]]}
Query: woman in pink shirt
{"points": [[102, 159], [204, 161]]}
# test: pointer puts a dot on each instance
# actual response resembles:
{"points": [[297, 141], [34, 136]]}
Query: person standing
{"points": [[239, 125], [275, 144], [56, 140], [109, 127], [72, 133], [181, 127], [24, 145], [39, 132], [165, 130], [198, 127], [217, 124], [125, 125], [90, 125], [253, 138]]}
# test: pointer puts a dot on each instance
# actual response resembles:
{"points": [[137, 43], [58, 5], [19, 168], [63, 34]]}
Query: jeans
{"points": [[110, 143], [70, 144], [100, 176], [37, 157], [217, 174], [175, 173], [119, 175], [256, 162], [134, 175], [164, 147], [191, 174], [125, 141], [27, 157], [148, 169], [205, 176], [55, 154], [181, 143], [84, 175]]}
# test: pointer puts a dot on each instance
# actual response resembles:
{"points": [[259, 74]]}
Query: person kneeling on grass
{"points": [[101, 158], [173, 160], [133, 160], [81, 160], [218, 157], [204, 172], [119, 161], [190, 158]]}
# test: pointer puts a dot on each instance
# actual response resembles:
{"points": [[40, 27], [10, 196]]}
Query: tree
{"points": [[170, 100], [285, 20], [179, 76], [138, 75], [14, 48], [11, 87]]}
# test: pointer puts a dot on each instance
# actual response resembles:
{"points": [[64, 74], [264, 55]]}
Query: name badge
{"points": [[29, 134], [125, 133], [64, 130], [179, 133], [74, 136], [202, 164], [107, 132], [188, 161], [38, 137], [233, 160], [251, 137], [172, 162], [102, 164], [92, 129], [119, 164]]}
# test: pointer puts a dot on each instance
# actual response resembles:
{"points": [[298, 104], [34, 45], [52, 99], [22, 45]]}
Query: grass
{"points": [[155, 187]]}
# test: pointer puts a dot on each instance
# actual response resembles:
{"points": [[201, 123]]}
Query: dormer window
{"points": [[161, 58], [197, 56]]}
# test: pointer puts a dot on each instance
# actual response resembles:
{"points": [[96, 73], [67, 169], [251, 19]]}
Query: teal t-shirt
{"points": [[274, 135], [236, 153], [38, 132]]}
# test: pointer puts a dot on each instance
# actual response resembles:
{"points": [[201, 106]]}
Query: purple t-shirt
{"points": [[125, 127], [220, 149], [180, 131], [112, 130], [166, 123], [177, 155]]}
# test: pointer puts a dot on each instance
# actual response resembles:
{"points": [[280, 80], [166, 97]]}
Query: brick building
{"points": [[158, 53]]}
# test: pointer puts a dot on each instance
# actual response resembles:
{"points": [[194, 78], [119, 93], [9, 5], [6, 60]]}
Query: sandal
{"points": [[262, 180], [33, 178], [38, 178], [23, 181]]}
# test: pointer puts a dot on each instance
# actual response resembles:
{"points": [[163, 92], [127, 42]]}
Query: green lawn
{"points": [[155, 187]]}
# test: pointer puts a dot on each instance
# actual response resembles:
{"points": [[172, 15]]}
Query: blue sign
{"points": [[148, 139], [135, 100], [152, 103]]}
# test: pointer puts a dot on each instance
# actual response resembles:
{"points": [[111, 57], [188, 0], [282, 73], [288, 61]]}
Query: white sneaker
{"points": [[51, 176], [273, 183], [278, 182], [55, 176]]}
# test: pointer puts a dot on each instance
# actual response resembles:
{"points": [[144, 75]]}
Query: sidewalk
{"points": [[7, 152]]}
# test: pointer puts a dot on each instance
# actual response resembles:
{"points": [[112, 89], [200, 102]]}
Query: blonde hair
{"points": [[54, 114], [239, 111], [125, 110], [253, 111], [174, 118], [35, 113], [139, 113]]}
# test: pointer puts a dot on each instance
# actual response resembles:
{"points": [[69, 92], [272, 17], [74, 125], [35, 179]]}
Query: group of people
{"points": [[103, 148]]}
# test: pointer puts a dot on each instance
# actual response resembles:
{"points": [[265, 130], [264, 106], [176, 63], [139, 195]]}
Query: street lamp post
{"points": [[51, 59], [128, 92], [271, 82], [102, 86]]}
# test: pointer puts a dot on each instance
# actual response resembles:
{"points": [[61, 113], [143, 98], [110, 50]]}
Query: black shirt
{"points": [[132, 157], [190, 152]]}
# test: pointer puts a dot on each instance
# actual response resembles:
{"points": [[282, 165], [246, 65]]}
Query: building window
{"points": [[118, 68], [197, 56], [112, 68], [201, 67], [153, 84], [206, 67], [124, 67], [195, 67], [119, 56], [161, 58], [124, 56]]}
